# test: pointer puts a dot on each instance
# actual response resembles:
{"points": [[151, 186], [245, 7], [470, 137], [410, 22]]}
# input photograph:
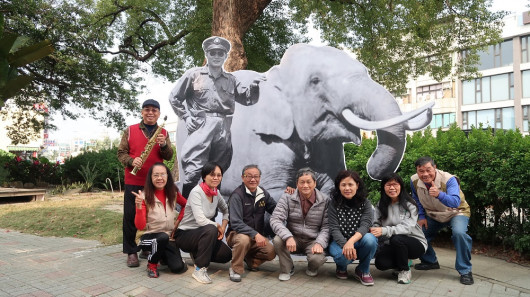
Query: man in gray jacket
{"points": [[300, 222]]}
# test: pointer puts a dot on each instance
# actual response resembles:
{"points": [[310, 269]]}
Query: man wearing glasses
{"points": [[204, 97], [246, 230], [132, 144]]}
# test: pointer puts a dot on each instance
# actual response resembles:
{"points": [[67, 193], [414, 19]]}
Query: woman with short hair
{"points": [[198, 233]]}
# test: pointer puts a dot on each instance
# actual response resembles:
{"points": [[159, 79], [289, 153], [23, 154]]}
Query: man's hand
{"points": [[220, 232], [422, 223], [161, 139], [289, 190], [261, 241], [376, 231], [291, 245], [137, 162], [317, 249], [192, 125], [255, 83], [434, 191]]}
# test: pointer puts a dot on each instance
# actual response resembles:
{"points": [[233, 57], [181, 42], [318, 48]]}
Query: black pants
{"points": [[202, 243], [129, 212], [161, 249], [397, 254]]}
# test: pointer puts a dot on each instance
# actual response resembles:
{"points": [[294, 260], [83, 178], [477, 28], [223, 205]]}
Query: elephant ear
{"points": [[273, 114]]}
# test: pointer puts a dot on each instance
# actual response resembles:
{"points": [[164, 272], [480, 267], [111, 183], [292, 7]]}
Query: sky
{"points": [[159, 89]]}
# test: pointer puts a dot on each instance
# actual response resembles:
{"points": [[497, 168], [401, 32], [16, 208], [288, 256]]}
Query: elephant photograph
{"points": [[314, 101]]}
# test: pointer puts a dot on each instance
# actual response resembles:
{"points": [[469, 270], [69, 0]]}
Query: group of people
{"points": [[304, 220]]}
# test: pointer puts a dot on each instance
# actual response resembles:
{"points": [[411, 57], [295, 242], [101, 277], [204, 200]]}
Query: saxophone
{"points": [[148, 147]]}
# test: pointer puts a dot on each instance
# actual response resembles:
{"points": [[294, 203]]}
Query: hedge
{"points": [[494, 170]]}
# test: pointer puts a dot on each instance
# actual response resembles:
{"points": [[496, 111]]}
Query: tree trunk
{"points": [[231, 20]]}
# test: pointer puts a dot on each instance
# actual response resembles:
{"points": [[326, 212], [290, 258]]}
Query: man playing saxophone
{"points": [[133, 142]]}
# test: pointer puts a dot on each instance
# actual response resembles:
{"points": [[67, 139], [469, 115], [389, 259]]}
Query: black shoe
{"points": [[132, 260], [427, 266], [143, 254], [467, 279]]}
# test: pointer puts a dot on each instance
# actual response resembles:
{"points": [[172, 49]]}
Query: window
{"points": [[525, 44], [442, 120], [526, 118], [526, 83], [497, 55], [489, 88], [499, 118], [431, 92]]}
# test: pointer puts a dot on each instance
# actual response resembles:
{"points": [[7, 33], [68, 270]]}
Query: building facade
{"points": [[500, 98]]}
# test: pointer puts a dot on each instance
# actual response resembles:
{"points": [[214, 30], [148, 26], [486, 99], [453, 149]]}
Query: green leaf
{"points": [[14, 85]]}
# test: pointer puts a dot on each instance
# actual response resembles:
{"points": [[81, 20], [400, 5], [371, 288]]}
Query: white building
{"points": [[500, 98]]}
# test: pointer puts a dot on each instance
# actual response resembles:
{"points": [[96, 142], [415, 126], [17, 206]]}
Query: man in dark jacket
{"points": [[247, 206]]}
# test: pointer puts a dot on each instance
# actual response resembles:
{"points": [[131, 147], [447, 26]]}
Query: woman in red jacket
{"points": [[155, 212]]}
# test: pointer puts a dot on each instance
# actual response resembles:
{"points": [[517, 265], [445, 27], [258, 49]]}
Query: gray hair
{"points": [[423, 161], [249, 167], [306, 171]]}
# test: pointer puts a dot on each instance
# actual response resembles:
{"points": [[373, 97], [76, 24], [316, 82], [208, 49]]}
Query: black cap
{"points": [[151, 102]]}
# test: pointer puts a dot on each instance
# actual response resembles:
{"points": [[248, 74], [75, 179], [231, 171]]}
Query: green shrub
{"points": [[494, 172], [5, 157], [105, 164], [33, 170]]}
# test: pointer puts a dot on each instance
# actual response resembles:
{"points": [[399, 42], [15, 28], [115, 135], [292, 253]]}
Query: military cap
{"points": [[215, 42]]}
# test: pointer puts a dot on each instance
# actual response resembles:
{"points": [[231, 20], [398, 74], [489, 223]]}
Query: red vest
{"points": [[137, 141]]}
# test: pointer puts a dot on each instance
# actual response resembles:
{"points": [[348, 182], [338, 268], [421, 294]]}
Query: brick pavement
{"points": [[48, 266]]}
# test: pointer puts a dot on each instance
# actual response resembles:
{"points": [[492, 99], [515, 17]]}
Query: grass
{"points": [[83, 217]]}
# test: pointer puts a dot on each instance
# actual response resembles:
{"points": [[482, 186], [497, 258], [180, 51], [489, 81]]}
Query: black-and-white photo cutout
{"points": [[298, 114]]}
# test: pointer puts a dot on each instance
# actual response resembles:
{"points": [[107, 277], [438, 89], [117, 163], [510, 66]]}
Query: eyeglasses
{"points": [[157, 175], [218, 53], [390, 185], [213, 175], [153, 110], [250, 177]]}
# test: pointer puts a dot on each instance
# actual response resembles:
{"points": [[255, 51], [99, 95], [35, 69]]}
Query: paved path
{"points": [[49, 266]]}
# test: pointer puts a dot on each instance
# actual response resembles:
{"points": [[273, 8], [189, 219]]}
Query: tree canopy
{"points": [[101, 46]]}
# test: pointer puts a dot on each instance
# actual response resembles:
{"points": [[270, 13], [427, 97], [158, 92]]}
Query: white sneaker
{"points": [[202, 276], [404, 277], [235, 277], [286, 276], [311, 273]]}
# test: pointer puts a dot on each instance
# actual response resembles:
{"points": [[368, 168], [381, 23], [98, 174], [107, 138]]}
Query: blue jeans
{"points": [[461, 240], [366, 248]]}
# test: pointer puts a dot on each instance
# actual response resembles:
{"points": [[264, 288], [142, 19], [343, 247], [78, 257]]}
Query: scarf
{"points": [[207, 190]]}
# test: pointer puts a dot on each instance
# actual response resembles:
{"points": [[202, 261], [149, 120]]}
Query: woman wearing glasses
{"points": [[395, 222], [198, 233], [155, 212]]}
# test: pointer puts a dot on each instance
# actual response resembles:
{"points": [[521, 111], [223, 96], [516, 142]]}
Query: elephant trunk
{"points": [[386, 158]]}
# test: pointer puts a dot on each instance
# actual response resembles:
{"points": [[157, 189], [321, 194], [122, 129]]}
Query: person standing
{"points": [[396, 217], [204, 97], [246, 230], [155, 212], [441, 203], [132, 144], [300, 222]]}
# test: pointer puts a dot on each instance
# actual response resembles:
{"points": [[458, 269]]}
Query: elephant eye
{"points": [[314, 81]]}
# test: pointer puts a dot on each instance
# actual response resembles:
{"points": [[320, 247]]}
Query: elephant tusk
{"points": [[354, 120]]}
